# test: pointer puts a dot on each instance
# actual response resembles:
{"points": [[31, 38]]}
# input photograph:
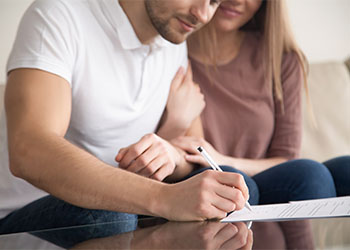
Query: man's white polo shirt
{"points": [[119, 86]]}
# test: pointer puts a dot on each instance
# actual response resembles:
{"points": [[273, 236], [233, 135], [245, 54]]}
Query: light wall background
{"points": [[321, 27]]}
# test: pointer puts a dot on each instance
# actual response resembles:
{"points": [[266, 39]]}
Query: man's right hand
{"points": [[208, 195]]}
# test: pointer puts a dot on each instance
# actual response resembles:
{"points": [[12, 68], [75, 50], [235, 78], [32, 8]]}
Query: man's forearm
{"points": [[51, 163]]}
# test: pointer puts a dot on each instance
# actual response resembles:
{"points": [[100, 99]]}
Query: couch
{"points": [[329, 85]]}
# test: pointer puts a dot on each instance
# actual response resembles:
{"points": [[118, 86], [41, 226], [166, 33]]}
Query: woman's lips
{"points": [[229, 12]]}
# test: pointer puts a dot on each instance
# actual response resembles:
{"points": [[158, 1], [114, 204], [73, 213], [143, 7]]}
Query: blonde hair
{"points": [[272, 22]]}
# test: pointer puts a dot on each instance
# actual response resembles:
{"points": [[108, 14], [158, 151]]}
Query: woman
{"points": [[252, 73]]}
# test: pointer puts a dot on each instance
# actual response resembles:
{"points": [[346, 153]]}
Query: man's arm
{"points": [[38, 108]]}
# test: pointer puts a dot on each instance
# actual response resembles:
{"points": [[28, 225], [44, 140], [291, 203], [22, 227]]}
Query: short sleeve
{"points": [[286, 139], [46, 40]]}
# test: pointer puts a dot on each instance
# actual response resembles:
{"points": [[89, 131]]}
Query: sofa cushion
{"points": [[329, 86]]}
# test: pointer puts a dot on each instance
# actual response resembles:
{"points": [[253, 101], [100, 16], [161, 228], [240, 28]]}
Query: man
{"points": [[86, 78]]}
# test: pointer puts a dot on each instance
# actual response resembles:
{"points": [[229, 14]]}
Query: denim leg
{"points": [[295, 180], [253, 188], [50, 212], [340, 170]]}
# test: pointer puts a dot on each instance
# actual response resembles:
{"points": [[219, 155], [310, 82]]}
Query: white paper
{"points": [[320, 208]]}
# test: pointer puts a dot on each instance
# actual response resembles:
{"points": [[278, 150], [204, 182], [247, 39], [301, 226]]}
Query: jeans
{"points": [[294, 180], [50, 212], [340, 170]]}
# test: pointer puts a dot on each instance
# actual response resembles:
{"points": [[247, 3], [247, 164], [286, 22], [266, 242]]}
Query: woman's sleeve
{"points": [[286, 139]]}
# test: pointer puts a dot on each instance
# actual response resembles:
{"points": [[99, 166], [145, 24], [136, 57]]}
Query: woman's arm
{"points": [[252, 166], [184, 105], [249, 166]]}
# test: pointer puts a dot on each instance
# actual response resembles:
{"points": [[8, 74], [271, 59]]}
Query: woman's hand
{"points": [[185, 104], [190, 144]]}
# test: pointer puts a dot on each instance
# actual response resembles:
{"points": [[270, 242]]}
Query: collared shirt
{"points": [[119, 85]]}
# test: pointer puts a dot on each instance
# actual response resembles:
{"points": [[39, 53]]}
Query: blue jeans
{"points": [[297, 180], [50, 212], [340, 170]]}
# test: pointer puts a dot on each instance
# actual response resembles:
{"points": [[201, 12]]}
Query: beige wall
{"points": [[10, 15], [321, 28]]}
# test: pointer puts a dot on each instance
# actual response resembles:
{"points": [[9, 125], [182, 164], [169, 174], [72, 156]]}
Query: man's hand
{"points": [[208, 195], [151, 157]]}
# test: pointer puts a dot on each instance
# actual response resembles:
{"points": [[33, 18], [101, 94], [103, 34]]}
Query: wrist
{"points": [[228, 161], [174, 126], [159, 201], [181, 169]]}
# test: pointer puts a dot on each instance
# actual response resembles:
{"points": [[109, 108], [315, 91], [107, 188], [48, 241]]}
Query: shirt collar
{"points": [[126, 32]]}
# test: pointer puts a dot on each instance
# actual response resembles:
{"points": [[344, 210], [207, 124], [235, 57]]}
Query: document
{"points": [[318, 208]]}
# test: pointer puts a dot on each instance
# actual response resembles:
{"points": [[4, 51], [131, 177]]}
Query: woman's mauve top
{"points": [[242, 118]]}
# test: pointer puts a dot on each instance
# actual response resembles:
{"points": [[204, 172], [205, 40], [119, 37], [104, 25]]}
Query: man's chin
{"points": [[176, 38]]}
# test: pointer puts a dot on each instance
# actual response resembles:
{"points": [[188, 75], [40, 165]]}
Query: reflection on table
{"points": [[150, 234], [155, 233]]}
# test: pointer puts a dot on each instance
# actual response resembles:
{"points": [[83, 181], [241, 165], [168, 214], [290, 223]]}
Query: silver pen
{"points": [[215, 166]]}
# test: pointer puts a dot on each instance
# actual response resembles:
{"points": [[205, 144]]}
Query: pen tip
{"points": [[200, 149]]}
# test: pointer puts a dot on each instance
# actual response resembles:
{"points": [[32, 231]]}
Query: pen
{"points": [[215, 166]]}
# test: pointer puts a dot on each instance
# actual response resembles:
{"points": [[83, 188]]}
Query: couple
{"points": [[88, 84]]}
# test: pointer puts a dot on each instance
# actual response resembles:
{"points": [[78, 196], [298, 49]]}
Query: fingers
{"points": [[127, 155], [224, 195], [239, 240], [150, 157], [144, 160], [249, 244], [213, 234], [188, 76], [233, 195], [234, 180], [162, 172], [196, 159], [189, 143], [226, 233], [178, 79], [121, 154], [158, 169], [223, 204], [216, 199]]}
